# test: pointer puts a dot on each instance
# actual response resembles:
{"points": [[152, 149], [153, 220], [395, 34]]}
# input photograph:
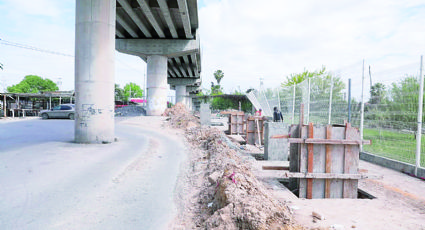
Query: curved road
{"points": [[48, 182]]}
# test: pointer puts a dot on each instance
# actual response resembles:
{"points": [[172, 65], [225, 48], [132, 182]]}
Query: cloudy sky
{"points": [[247, 39]]}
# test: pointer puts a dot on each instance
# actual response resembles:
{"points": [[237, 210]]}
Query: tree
{"points": [[377, 93], [320, 87], [218, 75], [33, 84], [119, 93], [404, 103], [223, 103], [132, 90], [216, 89], [296, 78]]}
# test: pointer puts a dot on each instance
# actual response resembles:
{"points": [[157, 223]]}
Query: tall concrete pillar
{"points": [[156, 85], [181, 94], [94, 71], [190, 102]]}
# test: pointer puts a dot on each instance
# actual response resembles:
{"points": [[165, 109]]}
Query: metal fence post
{"points": [[293, 106], [362, 110], [278, 99], [330, 100], [349, 100], [419, 131], [308, 101]]}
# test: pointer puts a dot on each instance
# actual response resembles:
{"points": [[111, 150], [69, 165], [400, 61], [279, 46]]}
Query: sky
{"points": [[246, 39]]}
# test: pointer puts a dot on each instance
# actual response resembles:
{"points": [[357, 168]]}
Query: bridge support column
{"points": [[156, 84], [94, 71], [188, 101], [181, 94]]}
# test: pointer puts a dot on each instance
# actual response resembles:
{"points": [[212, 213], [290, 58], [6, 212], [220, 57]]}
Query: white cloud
{"points": [[50, 25], [49, 8], [247, 39], [250, 39]]}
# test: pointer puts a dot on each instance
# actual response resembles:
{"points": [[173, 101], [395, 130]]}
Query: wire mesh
{"points": [[390, 117], [390, 107]]}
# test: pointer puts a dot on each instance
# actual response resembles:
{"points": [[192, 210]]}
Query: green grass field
{"points": [[394, 145], [391, 144]]}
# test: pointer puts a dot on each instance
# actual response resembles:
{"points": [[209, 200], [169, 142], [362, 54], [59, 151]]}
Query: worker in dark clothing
{"points": [[277, 115]]}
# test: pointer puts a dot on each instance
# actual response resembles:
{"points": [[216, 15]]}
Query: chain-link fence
{"points": [[390, 110]]}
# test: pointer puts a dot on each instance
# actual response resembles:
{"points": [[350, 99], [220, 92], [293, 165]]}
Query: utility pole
{"points": [[130, 91], [59, 83]]}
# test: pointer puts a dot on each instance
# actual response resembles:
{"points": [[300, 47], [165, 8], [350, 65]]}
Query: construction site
{"points": [[247, 172], [303, 148]]}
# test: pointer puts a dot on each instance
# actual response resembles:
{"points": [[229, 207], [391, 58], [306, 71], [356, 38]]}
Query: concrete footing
{"points": [[392, 164], [94, 71]]}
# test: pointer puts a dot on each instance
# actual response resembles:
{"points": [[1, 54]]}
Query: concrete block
{"points": [[275, 149], [205, 114]]}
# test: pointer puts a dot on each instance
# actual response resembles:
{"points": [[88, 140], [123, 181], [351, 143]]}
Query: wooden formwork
{"points": [[255, 130], [236, 122], [324, 160]]}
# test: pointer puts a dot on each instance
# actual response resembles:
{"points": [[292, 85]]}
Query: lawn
{"points": [[394, 145]]}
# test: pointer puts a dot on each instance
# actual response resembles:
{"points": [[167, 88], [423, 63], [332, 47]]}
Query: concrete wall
{"points": [[275, 149], [392, 164]]}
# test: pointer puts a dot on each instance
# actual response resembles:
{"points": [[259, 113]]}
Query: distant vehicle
{"points": [[120, 104], [60, 111], [138, 101]]}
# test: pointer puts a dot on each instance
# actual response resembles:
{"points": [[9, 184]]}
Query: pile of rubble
{"points": [[223, 192], [130, 111], [180, 117], [235, 198]]}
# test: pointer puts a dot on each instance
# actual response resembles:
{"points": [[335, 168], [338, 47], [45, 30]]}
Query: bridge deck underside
{"points": [[162, 19]]}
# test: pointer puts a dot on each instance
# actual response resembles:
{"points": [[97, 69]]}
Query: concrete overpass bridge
{"points": [[163, 33]]}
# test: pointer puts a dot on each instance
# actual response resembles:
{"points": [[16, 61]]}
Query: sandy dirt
{"points": [[399, 202], [217, 189]]}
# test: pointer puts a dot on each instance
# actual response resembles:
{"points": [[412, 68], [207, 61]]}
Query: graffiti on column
{"points": [[157, 103]]}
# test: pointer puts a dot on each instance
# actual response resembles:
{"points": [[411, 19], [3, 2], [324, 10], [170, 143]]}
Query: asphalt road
{"points": [[48, 182]]}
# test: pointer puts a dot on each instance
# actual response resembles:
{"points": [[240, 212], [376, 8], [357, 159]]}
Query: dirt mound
{"points": [[180, 117], [178, 108], [234, 197], [219, 190]]}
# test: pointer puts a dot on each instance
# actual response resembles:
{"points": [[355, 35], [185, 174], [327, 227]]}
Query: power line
{"points": [[28, 47], [23, 46]]}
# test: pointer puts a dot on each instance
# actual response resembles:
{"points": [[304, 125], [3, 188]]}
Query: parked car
{"points": [[120, 104], [60, 111]]}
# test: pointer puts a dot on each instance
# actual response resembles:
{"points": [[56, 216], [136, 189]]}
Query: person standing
{"points": [[258, 113], [277, 115]]}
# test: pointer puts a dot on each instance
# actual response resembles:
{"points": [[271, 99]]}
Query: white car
{"points": [[60, 111]]}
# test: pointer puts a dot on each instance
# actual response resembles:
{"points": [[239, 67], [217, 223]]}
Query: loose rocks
{"points": [[229, 196]]}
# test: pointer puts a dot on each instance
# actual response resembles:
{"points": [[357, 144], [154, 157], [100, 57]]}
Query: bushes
{"points": [[223, 103]]}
